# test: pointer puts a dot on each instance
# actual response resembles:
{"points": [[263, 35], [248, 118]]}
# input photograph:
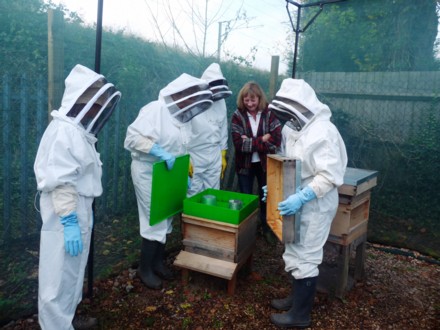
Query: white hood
{"points": [[297, 99], [186, 97], [84, 89], [217, 83]]}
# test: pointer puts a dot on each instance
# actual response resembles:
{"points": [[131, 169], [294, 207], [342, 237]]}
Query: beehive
{"points": [[353, 212], [217, 248]]}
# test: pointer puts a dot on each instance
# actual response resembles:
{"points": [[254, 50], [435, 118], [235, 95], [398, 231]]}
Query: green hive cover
{"points": [[168, 189]]}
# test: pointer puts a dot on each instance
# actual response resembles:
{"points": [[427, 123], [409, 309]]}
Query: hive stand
{"points": [[349, 227]]}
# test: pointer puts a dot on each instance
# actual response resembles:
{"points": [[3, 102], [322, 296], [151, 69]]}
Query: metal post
{"points": [[97, 70], [297, 29]]}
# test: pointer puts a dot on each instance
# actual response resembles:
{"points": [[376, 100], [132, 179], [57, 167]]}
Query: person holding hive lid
{"points": [[161, 131], [209, 146], [308, 135], [68, 173]]}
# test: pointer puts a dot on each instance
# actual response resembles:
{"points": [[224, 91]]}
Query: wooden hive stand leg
{"points": [[343, 265], [231, 285], [185, 277], [359, 270]]}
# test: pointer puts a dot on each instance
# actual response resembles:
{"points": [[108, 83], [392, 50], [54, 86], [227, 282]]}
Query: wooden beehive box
{"points": [[283, 179], [353, 212], [219, 240]]}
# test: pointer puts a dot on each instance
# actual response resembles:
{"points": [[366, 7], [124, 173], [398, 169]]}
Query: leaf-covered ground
{"points": [[399, 292]]}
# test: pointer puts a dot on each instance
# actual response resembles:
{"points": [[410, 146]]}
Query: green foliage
{"points": [[370, 35], [23, 25]]}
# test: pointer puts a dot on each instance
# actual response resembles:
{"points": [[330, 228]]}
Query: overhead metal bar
{"points": [[297, 28]]}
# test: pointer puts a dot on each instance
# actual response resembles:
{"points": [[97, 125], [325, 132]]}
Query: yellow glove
{"points": [[190, 170], [224, 162]]}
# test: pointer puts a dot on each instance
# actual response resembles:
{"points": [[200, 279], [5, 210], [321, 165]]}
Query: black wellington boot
{"points": [[82, 322], [146, 273], [299, 314], [159, 266], [284, 304]]}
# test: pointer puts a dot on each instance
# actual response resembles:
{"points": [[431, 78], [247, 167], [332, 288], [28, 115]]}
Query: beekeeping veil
{"points": [[186, 97], [89, 99], [217, 83], [296, 103]]}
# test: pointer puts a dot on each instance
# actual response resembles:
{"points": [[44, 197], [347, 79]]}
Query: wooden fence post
{"points": [[55, 69], [274, 67]]}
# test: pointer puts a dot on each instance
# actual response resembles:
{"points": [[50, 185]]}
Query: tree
{"points": [[189, 24], [370, 35], [22, 24]]}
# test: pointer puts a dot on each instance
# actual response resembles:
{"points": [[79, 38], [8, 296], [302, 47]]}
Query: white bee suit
{"points": [[68, 173], [211, 135], [156, 124], [321, 150]]}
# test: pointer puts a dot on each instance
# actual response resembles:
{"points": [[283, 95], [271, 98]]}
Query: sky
{"points": [[267, 28]]}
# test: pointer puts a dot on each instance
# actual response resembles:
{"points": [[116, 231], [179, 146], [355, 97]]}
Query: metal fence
{"points": [[384, 108], [24, 117]]}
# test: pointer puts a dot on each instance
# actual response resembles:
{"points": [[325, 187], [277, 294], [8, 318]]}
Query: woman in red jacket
{"points": [[256, 132]]}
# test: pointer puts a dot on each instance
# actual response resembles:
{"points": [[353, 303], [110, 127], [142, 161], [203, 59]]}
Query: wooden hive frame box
{"points": [[283, 180]]}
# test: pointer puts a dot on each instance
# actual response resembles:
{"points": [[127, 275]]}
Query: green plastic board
{"points": [[169, 189]]}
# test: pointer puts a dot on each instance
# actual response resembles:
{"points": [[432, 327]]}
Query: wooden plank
{"points": [[210, 223], [350, 200], [209, 236], [223, 253], [207, 265], [350, 190]]}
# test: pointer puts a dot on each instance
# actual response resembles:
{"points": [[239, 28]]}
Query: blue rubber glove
{"points": [[72, 234], [264, 188], [294, 202], [158, 151]]}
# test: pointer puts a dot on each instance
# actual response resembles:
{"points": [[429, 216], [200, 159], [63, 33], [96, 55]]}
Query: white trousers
{"points": [[302, 259], [61, 276]]}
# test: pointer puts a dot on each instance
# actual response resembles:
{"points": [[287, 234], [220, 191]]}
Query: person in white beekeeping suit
{"points": [[68, 173], [161, 131], [308, 135], [209, 146]]}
